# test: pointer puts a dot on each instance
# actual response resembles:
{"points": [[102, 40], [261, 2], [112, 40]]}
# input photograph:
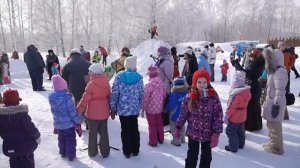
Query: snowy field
{"points": [[165, 155]]}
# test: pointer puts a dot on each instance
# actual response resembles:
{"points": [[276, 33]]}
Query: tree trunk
{"points": [[14, 24], [73, 24], [21, 24], [2, 31], [110, 26], [31, 21], [61, 29], [10, 25]]}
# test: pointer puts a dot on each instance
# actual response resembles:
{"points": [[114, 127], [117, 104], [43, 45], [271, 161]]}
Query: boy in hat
{"points": [[19, 134], [178, 93]]}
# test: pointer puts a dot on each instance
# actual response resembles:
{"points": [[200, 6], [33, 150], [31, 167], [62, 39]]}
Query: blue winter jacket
{"points": [[175, 101], [203, 64], [63, 109], [127, 93]]}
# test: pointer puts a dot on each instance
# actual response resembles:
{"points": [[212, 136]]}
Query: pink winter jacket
{"points": [[237, 104], [154, 96], [96, 98]]}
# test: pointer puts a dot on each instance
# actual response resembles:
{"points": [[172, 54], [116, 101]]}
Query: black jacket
{"points": [[74, 72], [34, 60], [17, 131]]}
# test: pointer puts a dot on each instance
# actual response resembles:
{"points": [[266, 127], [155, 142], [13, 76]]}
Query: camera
{"points": [[181, 55]]}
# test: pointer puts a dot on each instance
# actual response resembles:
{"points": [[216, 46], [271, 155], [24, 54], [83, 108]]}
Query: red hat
{"points": [[11, 97], [200, 73]]}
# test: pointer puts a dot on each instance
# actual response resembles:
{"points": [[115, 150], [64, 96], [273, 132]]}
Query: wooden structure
{"points": [[290, 42]]}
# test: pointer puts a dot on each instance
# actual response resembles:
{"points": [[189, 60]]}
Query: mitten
{"points": [[176, 133], [214, 140], [78, 129], [38, 140], [55, 131], [226, 119], [275, 110]]}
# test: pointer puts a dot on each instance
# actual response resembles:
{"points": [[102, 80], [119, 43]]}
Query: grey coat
{"points": [[277, 81]]}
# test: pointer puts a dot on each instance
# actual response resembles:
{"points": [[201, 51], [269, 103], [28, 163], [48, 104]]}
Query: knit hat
{"points": [[125, 50], [163, 51], [75, 50], [152, 71], [11, 97], [96, 68], [200, 73], [238, 79], [189, 52], [130, 62], [59, 83], [180, 82]]}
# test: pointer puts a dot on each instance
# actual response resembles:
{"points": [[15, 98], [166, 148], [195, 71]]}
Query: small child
{"points": [[96, 57], [203, 111], [154, 95], [65, 118], [178, 93], [55, 69], [224, 68], [5, 69], [236, 112], [96, 100], [20, 136]]}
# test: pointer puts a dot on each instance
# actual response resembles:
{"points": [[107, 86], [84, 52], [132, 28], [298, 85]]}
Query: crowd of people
{"points": [[81, 89]]}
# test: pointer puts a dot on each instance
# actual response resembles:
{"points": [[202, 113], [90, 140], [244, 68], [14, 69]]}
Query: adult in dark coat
{"points": [[190, 66], [74, 73], [50, 59], [253, 73], [19, 134], [35, 65]]}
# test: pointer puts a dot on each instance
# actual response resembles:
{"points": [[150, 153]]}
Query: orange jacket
{"points": [[96, 98], [289, 60]]}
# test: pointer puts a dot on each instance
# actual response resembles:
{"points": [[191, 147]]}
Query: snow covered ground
{"points": [[165, 155]]}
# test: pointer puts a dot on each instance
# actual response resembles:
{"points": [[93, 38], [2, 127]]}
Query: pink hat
{"points": [[59, 83], [152, 71]]}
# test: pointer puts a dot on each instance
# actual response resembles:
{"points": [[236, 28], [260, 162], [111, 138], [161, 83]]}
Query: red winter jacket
{"points": [[103, 51], [224, 68], [237, 104]]}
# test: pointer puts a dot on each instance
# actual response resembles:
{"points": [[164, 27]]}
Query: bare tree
{"points": [[61, 34], [2, 31]]}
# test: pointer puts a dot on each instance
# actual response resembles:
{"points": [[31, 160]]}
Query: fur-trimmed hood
{"points": [[274, 59], [236, 91], [8, 110]]}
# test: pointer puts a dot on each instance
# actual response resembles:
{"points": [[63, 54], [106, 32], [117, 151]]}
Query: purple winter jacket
{"points": [[17, 131], [204, 121]]}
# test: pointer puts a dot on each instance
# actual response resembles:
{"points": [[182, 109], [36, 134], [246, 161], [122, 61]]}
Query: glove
{"points": [[38, 140], [275, 110], [113, 115], [55, 131], [214, 140], [143, 114], [78, 129], [176, 133], [226, 119]]}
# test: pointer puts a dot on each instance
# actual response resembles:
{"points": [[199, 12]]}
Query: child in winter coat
{"points": [[154, 95], [202, 61], [5, 69], [126, 101], [20, 136], [236, 112], [55, 69], [178, 93], [224, 68], [65, 118], [203, 111], [96, 99], [96, 57]]}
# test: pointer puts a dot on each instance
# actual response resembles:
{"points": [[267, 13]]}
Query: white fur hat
{"points": [[239, 79], [130, 62], [96, 68]]}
